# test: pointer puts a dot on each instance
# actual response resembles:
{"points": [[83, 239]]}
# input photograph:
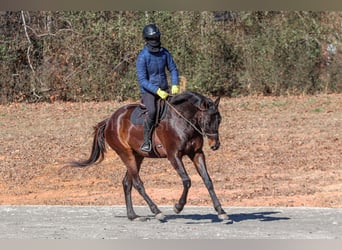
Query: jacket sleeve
{"points": [[143, 76], [172, 67]]}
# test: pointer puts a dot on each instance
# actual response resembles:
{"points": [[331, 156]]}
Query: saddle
{"points": [[140, 111], [137, 118]]}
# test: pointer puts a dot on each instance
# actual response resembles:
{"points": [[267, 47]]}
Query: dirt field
{"points": [[283, 151]]}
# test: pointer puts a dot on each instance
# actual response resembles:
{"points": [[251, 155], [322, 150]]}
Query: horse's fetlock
{"points": [[187, 183]]}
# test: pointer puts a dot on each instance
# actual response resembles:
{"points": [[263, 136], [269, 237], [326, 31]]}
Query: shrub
{"points": [[90, 55]]}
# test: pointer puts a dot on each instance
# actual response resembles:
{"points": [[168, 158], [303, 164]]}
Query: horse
{"points": [[189, 118]]}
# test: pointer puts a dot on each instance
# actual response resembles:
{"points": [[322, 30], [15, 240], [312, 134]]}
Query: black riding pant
{"points": [[150, 101]]}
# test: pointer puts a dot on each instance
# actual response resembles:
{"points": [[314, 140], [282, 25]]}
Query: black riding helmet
{"points": [[151, 35], [151, 32]]}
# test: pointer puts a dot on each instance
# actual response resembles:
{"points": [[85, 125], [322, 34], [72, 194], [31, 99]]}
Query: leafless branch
{"points": [[28, 55], [25, 27], [48, 33], [29, 40]]}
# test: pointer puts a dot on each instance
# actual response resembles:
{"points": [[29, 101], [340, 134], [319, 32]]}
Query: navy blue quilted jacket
{"points": [[151, 70]]}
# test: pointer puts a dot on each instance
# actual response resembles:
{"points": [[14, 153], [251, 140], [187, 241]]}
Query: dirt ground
{"points": [[275, 151]]}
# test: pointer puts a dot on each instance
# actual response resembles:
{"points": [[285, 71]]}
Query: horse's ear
{"points": [[217, 101]]}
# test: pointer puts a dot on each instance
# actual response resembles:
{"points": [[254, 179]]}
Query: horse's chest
{"points": [[194, 144]]}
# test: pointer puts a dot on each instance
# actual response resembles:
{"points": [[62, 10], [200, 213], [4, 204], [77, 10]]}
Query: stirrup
{"points": [[146, 147]]}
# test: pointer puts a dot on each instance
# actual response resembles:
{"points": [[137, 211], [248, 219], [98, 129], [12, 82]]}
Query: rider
{"points": [[151, 63]]}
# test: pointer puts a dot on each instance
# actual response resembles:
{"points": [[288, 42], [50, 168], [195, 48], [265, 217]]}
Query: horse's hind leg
{"points": [[127, 186], [139, 186], [132, 178]]}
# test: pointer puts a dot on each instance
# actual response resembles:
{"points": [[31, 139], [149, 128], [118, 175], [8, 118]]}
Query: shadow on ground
{"points": [[212, 218]]}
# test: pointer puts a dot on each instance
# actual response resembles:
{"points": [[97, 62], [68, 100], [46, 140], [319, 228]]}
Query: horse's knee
{"points": [[209, 184]]}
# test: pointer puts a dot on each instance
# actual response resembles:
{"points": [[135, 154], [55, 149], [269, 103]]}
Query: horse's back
{"points": [[120, 131], [123, 112]]}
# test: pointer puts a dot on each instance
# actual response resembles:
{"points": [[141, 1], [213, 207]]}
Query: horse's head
{"points": [[205, 111], [210, 120]]}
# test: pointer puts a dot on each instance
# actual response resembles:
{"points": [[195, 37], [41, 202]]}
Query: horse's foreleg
{"points": [[199, 161], [179, 167]]}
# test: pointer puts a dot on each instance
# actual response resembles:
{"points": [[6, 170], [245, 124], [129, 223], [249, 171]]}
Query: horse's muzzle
{"points": [[214, 142], [216, 146]]}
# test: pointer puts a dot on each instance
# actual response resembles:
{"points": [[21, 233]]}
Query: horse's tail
{"points": [[99, 146]]}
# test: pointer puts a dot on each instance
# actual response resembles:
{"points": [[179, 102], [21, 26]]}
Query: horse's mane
{"points": [[196, 99]]}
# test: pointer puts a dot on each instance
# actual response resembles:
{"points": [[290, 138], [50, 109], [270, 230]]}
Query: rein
{"points": [[202, 132]]}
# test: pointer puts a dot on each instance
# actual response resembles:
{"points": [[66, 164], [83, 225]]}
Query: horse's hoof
{"points": [[223, 216], [139, 218], [176, 210], [160, 217]]}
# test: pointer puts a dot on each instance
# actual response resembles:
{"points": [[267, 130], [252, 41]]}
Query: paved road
{"points": [[110, 222]]}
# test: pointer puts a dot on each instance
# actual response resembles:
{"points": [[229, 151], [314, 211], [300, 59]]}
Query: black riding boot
{"points": [[148, 128]]}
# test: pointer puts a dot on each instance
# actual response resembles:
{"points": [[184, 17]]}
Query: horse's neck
{"points": [[185, 112]]}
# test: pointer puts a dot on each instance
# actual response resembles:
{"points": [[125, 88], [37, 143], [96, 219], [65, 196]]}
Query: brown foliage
{"points": [[88, 55]]}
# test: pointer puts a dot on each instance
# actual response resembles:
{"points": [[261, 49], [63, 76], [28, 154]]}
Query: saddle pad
{"points": [[138, 115], [139, 112]]}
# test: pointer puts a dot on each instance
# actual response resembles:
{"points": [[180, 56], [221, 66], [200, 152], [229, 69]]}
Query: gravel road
{"points": [[110, 222]]}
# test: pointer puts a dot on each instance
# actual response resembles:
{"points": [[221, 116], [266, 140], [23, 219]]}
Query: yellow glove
{"points": [[174, 89], [162, 94]]}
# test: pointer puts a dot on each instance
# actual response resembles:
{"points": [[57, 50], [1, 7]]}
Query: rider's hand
{"points": [[162, 94], [174, 89]]}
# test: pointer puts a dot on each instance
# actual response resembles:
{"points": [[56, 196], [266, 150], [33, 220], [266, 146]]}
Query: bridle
{"points": [[202, 132]]}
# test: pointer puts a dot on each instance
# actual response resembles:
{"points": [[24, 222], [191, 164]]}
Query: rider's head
{"points": [[151, 35]]}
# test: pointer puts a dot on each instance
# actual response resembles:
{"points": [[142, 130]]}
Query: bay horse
{"points": [[189, 117]]}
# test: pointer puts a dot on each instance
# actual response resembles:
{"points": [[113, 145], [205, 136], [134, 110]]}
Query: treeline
{"points": [[84, 55]]}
